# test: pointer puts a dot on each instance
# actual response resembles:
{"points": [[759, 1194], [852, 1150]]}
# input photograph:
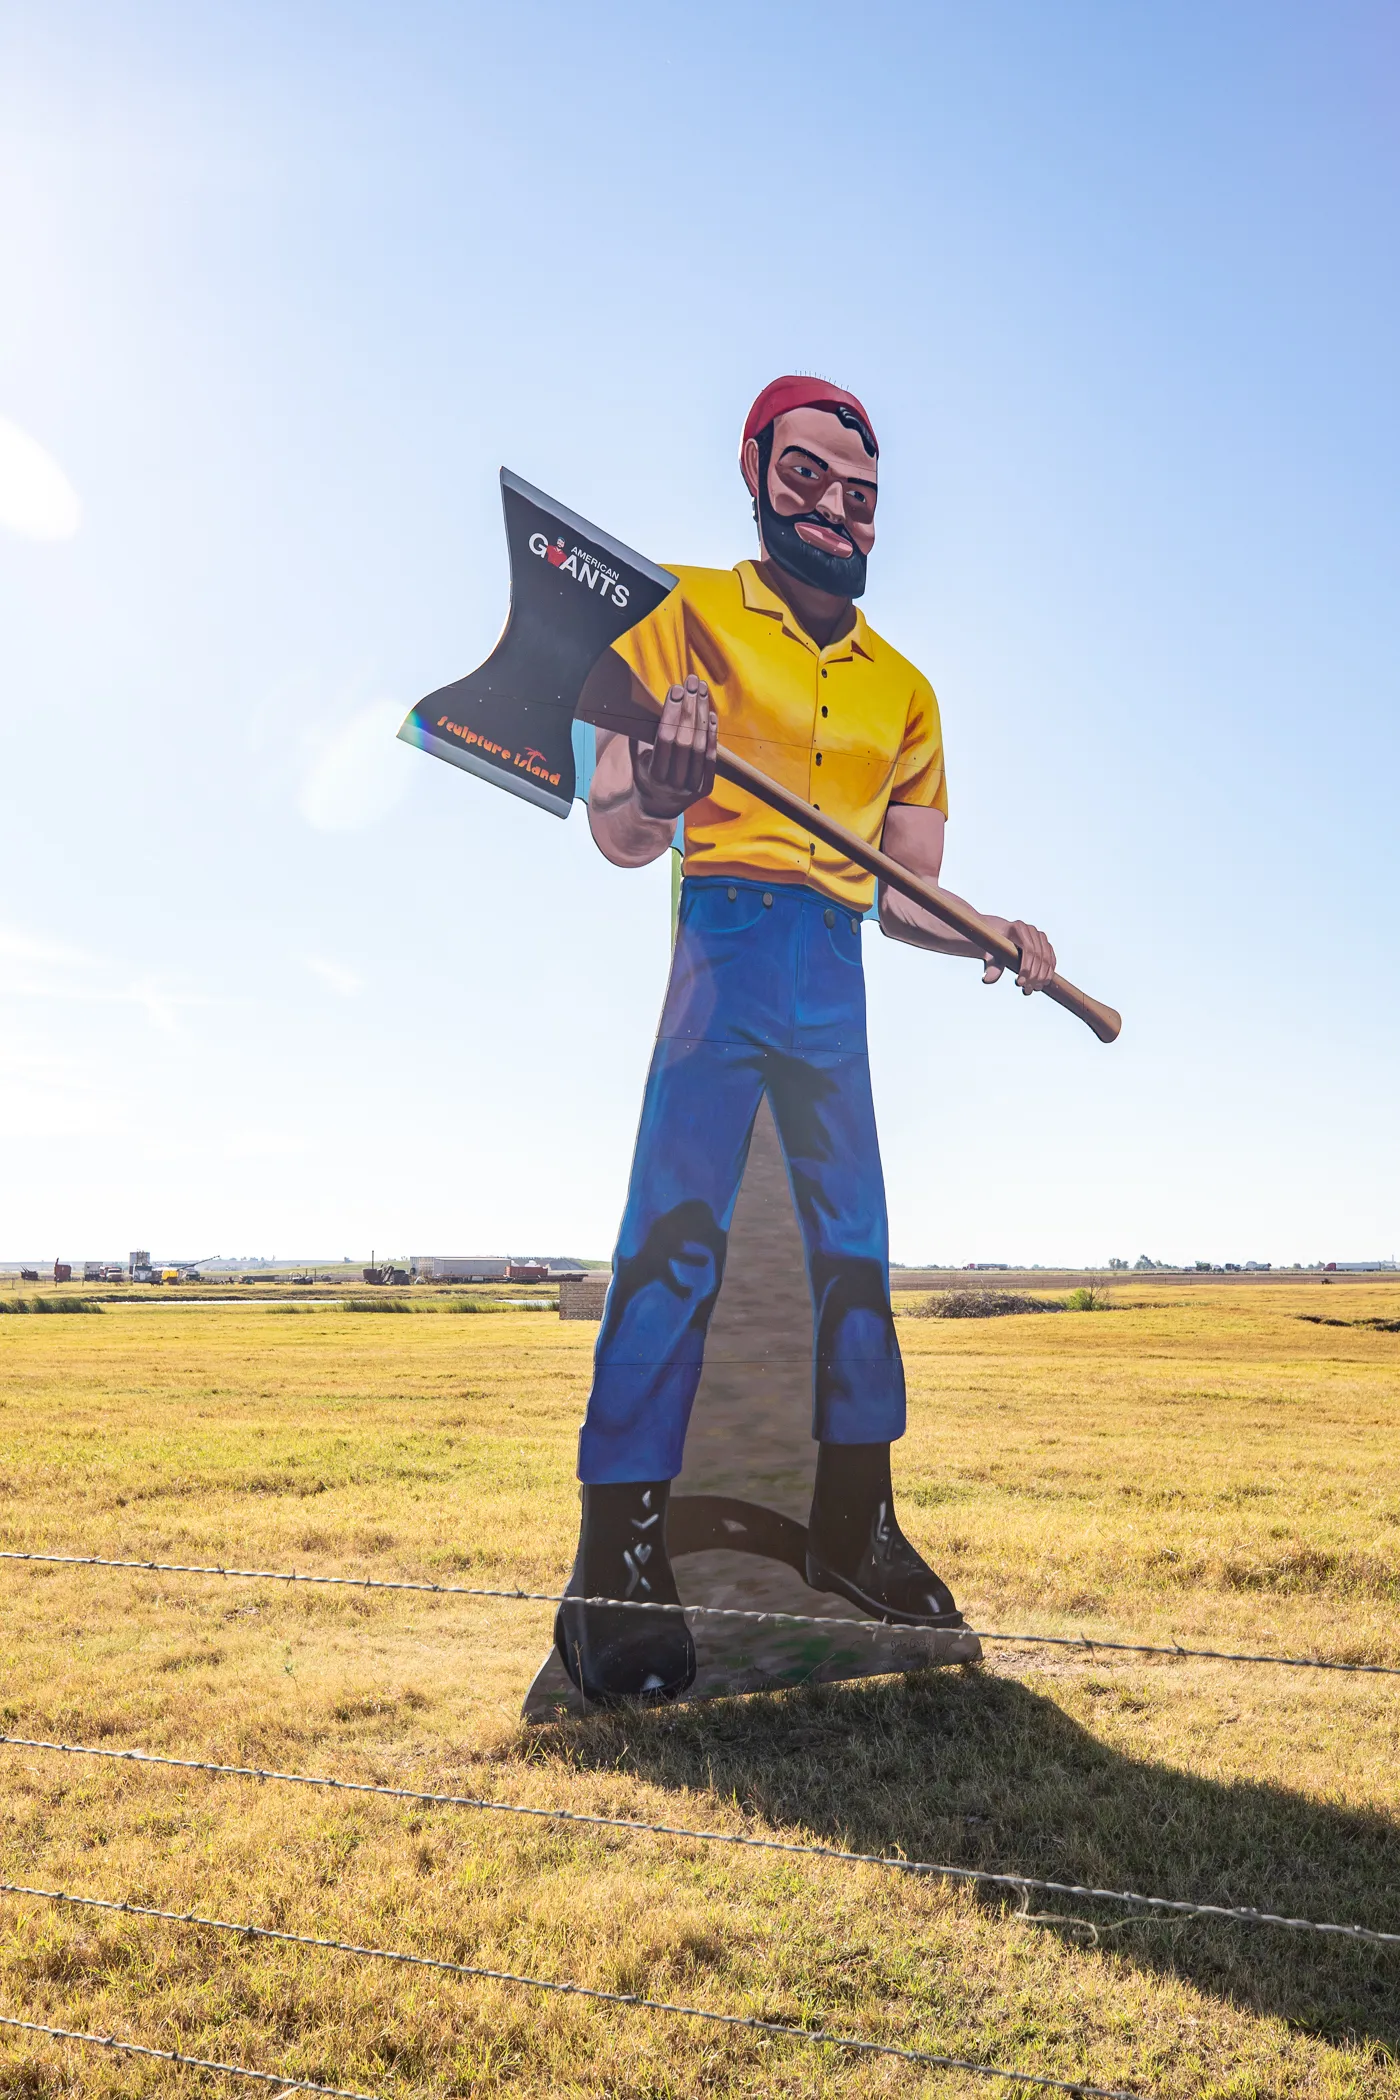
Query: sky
{"points": [[282, 287]]}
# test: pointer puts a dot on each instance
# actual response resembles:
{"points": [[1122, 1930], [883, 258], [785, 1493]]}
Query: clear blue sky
{"points": [[282, 288]]}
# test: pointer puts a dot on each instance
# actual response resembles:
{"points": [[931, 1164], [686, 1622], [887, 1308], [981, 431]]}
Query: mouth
{"points": [[832, 539]]}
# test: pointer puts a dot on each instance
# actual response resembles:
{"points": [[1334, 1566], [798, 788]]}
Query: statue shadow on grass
{"points": [[979, 1771]]}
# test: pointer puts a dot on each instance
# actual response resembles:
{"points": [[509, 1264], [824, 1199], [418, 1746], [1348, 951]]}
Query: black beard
{"points": [[840, 575]]}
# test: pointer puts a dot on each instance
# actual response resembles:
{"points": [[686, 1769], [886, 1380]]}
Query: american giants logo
{"points": [[583, 565]]}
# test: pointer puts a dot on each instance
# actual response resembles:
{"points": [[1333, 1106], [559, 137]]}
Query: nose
{"points": [[833, 503]]}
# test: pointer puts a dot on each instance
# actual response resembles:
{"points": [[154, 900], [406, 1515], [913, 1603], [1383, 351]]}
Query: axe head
{"points": [[573, 591]]}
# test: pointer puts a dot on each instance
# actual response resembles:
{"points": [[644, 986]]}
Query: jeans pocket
{"points": [[733, 908], [843, 937]]}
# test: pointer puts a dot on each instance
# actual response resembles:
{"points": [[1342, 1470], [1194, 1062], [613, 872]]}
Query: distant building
{"points": [[139, 1258], [493, 1268], [1361, 1268], [460, 1268]]}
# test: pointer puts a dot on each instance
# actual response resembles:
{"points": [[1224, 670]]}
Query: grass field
{"points": [[1199, 1465]]}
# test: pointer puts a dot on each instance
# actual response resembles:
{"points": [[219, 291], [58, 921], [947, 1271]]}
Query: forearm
{"points": [[622, 831], [904, 920], [914, 837]]}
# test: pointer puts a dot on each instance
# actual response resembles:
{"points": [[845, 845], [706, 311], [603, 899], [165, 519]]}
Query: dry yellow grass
{"points": [[1204, 1465]]}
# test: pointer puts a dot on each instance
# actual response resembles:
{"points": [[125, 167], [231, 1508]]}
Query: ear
{"points": [[748, 463]]}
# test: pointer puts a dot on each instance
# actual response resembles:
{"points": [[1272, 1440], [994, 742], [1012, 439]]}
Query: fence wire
{"points": [[820, 2035], [933, 1870], [283, 2080], [1088, 1643]]}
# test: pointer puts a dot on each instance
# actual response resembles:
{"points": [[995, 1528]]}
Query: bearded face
{"points": [[816, 489]]}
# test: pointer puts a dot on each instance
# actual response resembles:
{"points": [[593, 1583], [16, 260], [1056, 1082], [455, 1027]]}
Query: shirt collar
{"points": [[759, 598]]}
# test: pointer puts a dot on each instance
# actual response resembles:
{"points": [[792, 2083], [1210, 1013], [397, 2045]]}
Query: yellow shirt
{"points": [[851, 728]]}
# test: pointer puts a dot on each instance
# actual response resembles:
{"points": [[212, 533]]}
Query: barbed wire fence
{"points": [[929, 1869], [285, 2081], [783, 2030], [1089, 1643], [1142, 1904]]}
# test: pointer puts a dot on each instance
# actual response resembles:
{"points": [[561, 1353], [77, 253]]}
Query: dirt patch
{"points": [[1376, 1326]]}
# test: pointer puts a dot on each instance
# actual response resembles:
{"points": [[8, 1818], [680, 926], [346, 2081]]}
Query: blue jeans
{"points": [[767, 995]]}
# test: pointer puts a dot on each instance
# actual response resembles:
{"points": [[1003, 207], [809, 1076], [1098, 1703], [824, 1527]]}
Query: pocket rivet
{"points": [[733, 893], [767, 899], [830, 917]]}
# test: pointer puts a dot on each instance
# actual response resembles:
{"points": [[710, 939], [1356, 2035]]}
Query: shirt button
{"points": [[830, 917], [823, 710], [855, 926], [823, 670], [733, 893], [767, 899], [819, 758]]}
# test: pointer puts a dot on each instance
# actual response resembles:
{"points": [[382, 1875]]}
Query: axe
{"points": [[575, 591]]}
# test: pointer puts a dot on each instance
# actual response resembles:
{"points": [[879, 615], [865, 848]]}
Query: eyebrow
{"points": [[814, 456], [859, 481]]}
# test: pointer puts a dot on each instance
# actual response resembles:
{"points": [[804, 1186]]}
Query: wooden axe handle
{"points": [[1102, 1019], [614, 698]]}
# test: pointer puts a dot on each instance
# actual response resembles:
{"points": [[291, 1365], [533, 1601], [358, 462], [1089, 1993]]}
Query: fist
{"points": [[679, 768], [1037, 957]]}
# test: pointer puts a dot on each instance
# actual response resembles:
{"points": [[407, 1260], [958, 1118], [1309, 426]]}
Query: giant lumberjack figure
{"points": [[766, 995]]}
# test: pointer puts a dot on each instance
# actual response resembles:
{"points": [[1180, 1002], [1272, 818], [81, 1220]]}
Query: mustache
{"points": [[814, 517]]}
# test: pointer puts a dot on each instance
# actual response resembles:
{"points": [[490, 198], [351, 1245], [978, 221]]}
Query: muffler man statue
{"points": [[766, 996]]}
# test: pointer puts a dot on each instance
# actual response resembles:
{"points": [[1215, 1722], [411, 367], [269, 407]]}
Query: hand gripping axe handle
{"points": [[575, 591], [613, 698]]}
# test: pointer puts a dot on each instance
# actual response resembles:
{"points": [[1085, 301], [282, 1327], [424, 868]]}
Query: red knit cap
{"points": [[793, 391]]}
